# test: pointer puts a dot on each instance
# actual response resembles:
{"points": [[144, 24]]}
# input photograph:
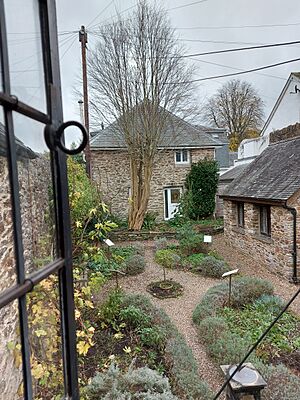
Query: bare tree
{"points": [[137, 76], [237, 107]]}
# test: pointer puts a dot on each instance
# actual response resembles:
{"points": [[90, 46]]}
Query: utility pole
{"points": [[83, 41]]}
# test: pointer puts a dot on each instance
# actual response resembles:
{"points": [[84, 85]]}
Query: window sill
{"points": [[184, 164], [263, 238], [239, 229]]}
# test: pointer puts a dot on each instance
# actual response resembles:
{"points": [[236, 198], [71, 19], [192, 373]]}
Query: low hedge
{"points": [[178, 355], [210, 267]]}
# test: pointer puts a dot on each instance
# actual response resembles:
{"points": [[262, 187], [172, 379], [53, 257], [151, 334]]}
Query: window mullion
{"points": [[15, 200]]}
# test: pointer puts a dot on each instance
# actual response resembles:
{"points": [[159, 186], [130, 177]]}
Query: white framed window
{"points": [[182, 156]]}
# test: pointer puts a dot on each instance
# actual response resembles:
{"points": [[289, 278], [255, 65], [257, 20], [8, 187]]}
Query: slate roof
{"points": [[178, 134], [21, 150], [274, 175], [233, 173]]}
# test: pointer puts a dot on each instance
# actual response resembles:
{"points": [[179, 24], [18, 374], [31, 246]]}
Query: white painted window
{"points": [[182, 156]]}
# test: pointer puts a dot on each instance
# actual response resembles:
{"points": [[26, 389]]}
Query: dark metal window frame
{"points": [[240, 214], [63, 263], [265, 220]]}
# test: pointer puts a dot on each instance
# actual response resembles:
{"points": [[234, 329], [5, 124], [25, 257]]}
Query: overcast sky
{"points": [[203, 26]]}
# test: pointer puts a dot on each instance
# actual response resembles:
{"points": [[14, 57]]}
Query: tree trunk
{"points": [[140, 191]]}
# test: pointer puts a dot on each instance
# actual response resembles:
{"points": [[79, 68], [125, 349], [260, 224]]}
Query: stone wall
{"points": [[34, 180], [112, 174], [275, 252], [285, 133]]}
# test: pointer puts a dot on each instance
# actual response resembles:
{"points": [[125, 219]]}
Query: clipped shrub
{"points": [[161, 243], [212, 328], [247, 289], [213, 299], [282, 384], [193, 244], [137, 383], [139, 248], [135, 264], [168, 258], [211, 267], [194, 260], [273, 304]]}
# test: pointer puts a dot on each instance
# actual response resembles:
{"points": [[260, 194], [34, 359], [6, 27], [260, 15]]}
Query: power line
{"points": [[217, 41], [241, 49], [114, 16], [187, 5], [240, 26], [101, 12], [237, 69], [69, 47], [235, 73]]}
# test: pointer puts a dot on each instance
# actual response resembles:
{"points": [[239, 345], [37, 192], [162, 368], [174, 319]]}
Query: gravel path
{"points": [[249, 266], [179, 309]]}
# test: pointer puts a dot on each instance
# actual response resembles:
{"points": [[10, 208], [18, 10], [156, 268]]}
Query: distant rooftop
{"points": [[178, 134], [21, 150], [274, 175]]}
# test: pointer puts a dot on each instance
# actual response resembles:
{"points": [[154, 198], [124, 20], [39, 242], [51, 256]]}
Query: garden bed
{"points": [[130, 327], [228, 333]]}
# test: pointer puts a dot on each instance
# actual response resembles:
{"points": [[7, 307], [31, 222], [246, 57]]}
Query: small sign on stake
{"points": [[207, 239], [230, 274], [108, 242]]}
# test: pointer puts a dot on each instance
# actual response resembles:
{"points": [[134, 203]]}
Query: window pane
{"points": [[25, 52], [45, 341], [184, 156], [7, 255], [10, 354], [175, 196], [36, 193], [178, 156]]}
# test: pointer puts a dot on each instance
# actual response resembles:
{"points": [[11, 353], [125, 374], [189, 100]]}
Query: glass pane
{"points": [[178, 156], [11, 387], [175, 196], [45, 341], [184, 156], [25, 52], [36, 193], [7, 257]]}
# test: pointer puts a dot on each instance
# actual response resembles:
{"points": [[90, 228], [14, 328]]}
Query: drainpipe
{"points": [[293, 211]]}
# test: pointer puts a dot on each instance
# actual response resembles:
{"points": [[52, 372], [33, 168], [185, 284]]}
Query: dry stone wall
{"points": [[111, 172], [275, 252], [34, 181]]}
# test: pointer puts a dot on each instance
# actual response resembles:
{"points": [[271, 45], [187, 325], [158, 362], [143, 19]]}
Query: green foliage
{"points": [[135, 316], [228, 333], [194, 260], [149, 221], [152, 336], [211, 267], [253, 320], [137, 383], [89, 215], [190, 242], [168, 258], [201, 184]]}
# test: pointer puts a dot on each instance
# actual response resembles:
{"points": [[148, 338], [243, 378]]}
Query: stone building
{"points": [[34, 178], [262, 206], [182, 144]]}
